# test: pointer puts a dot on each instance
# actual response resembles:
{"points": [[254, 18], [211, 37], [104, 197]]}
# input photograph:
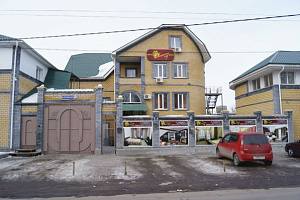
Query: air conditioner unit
{"points": [[159, 80], [147, 96], [177, 49]]}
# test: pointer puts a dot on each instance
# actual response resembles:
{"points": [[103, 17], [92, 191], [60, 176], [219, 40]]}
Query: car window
{"points": [[226, 138], [255, 139], [234, 138]]}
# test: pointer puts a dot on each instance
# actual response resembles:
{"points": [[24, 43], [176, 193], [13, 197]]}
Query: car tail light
{"points": [[242, 145]]}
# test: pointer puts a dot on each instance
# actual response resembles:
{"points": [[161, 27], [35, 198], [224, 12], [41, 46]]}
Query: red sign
{"points": [[242, 122], [208, 123], [160, 54], [173, 123], [274, 121], [137, 124]]}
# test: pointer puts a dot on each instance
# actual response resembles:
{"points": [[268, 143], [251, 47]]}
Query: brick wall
{"points": [[29, 109], [4, 119], [5, 82], [58, 96], [26, 85]]}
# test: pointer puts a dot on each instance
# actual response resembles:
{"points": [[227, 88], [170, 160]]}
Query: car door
{"points": [[223, 147], [232, 144]]}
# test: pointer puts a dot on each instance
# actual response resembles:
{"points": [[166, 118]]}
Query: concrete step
{"points": [[25, 150]]}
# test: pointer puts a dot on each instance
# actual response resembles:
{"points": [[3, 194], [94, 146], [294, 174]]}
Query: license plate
{"points": [[258, 157]]}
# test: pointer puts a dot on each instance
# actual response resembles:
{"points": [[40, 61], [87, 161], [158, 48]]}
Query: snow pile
{"points": [[104, 70], [31, 99]]}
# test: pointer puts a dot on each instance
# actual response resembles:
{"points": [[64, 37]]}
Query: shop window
{"points": [[179, 70], [131, 98], [137, 133], [160, 70], [130, 73], [175, 42], [180, 101], [39, 73], [256, 84], [161, 101], [173, 133], [268, 80], [287, 78]]}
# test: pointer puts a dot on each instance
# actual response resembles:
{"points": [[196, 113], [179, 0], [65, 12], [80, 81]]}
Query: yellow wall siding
{"points": [[294, 106], [189, 54], [58, 97], [4, 119], [29, 108], [132, 66], [242, 89], [5, 82], [106, 108], [266, 108], [26, 85]]}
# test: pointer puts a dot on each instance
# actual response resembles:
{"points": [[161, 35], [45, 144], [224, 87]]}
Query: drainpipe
{"points": [[279, 84], [13, 96]]}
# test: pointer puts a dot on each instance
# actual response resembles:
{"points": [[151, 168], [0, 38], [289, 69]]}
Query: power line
{"points": [[131, 11], [144, 29]]}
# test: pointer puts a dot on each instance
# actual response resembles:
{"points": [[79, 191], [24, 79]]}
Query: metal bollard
{"points": [[224, 165], [125, 172], [73, 168]]}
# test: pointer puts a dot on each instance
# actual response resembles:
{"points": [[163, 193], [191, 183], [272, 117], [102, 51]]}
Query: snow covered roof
{"points": [[104, 70], [31, 99]]}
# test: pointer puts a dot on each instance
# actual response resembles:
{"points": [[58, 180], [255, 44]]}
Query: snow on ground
{"points": [[166, 167], [209, 167]]}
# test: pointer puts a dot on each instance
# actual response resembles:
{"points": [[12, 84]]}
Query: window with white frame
{"points": [[268, 80], [161, 70], [256, 84], [39, 73], [131, 98], [180, 101], [131, 73], [175, 41], [180, 70], [287, 78], [161, 101]]}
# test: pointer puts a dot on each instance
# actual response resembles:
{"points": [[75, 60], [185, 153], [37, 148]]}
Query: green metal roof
{"points": [[134, 107], [280, 57], [54, 79], [6, 38], [87, 64]]}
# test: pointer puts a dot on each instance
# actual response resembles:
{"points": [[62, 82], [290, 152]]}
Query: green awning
{"points": [[134, 107]]}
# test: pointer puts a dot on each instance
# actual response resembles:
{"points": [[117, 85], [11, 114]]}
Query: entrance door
{"points": [[108, 134], [28, 132]]}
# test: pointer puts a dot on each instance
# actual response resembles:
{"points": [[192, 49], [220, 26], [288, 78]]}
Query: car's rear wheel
{"points": [[290, 152], [268, 163], [236, 160]]}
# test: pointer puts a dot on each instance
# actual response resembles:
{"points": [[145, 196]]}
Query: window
{"points": [[180, 101], [160, 70], [39, 73], [131, 98], [268, 80], [131, 73], [180, 70], [256, 84], [287, 78], [175, 41], [161, 101], [226, 138], [234, 138]]}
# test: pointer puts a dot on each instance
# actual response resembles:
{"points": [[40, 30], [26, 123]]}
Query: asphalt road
{"points": [[52, 176]]}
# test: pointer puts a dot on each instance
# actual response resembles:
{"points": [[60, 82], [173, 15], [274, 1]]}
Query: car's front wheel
{"points": [[290, 152], [236, 160]]}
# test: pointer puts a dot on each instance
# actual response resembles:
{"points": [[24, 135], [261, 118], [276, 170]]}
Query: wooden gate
{"points": [[28, 132]]}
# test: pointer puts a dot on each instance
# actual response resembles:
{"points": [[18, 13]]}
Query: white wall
{"points": [[29, 64], [6, 58]]}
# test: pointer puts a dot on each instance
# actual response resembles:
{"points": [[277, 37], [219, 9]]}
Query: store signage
{"points": [[208, 123], [274, 121], [160, 54], [137, 124], [242, 122], [68, 97], [173, 123]]}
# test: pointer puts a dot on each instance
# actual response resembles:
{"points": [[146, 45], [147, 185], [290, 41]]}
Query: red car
{"points": [[243, 146]]}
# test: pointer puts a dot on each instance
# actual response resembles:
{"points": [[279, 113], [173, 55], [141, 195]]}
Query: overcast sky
{"points": [[234, 47]]}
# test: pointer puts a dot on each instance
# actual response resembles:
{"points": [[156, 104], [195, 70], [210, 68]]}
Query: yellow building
{"points": [[163, 71], [271, 86]]}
